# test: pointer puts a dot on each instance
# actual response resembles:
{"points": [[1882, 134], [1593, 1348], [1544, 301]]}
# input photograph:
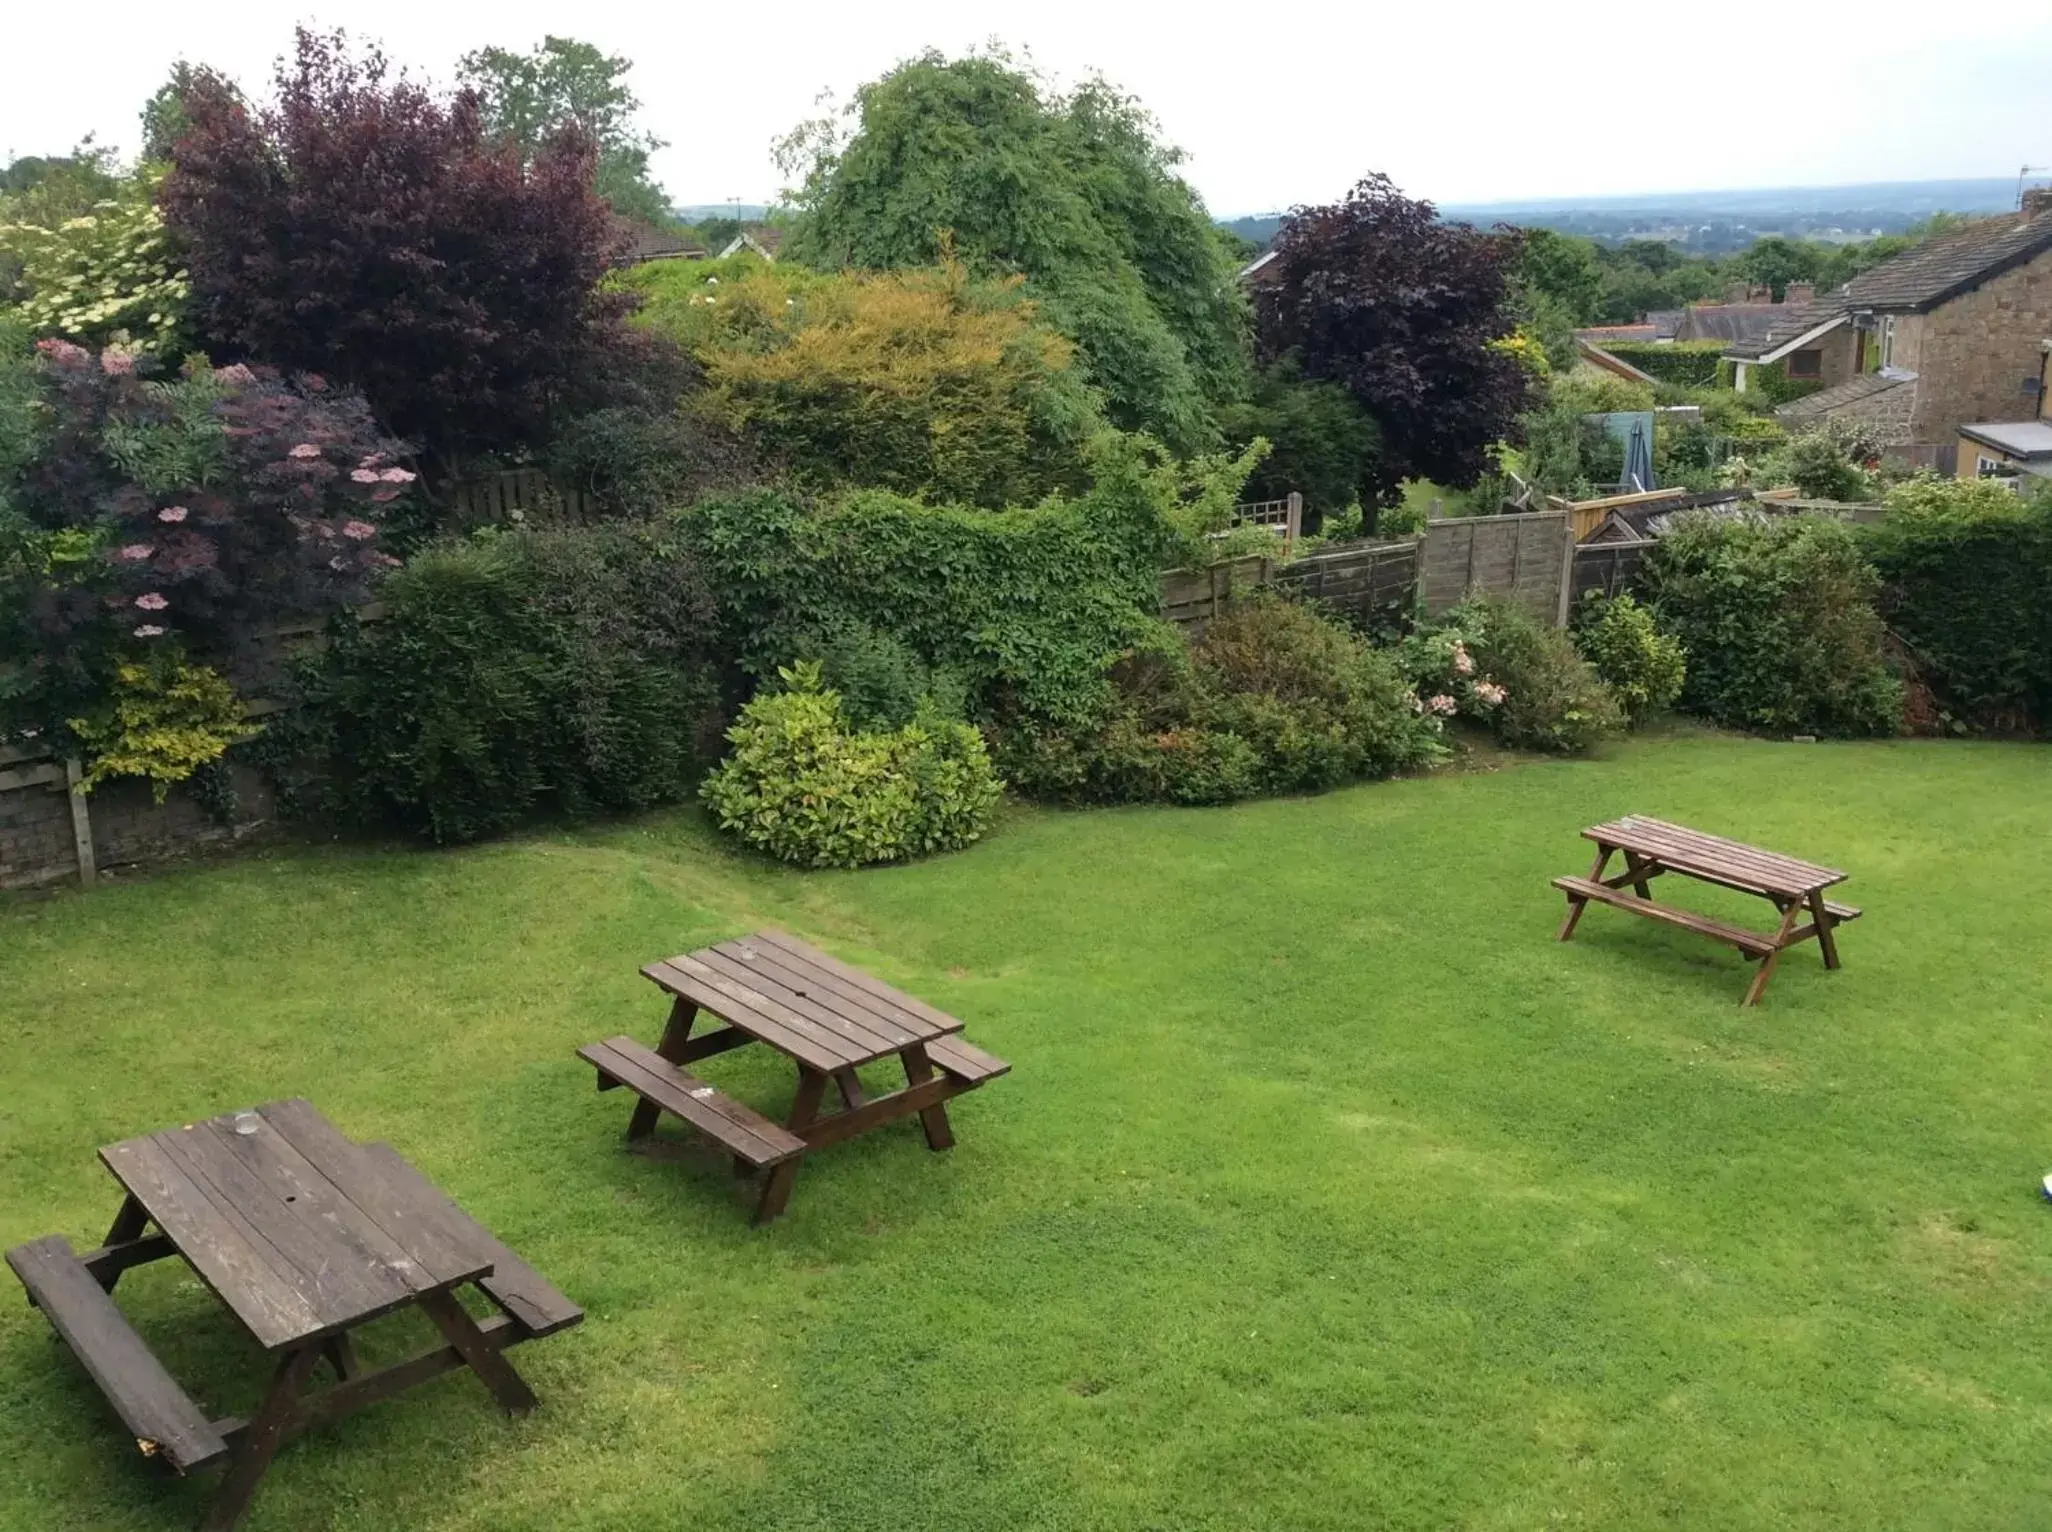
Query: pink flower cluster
{"points": [[1463, 662], [151, 601], [134, 553], [62, 352], [1489, 694], [116, 363], [304, 451], [1441, 705], [172, 513]]}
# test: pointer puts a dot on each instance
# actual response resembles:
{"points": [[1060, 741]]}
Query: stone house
{"points": [[1953, 331]]}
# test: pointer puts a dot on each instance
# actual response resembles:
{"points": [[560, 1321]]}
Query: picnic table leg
{"points": [[1577, 905], [341, 1354], [484, 1358], [852, 1094], [934, 1119], [675, 1035], [1642, 866], [1759, 984], [127, 1227], [1824, 923], [776, 1190], [259, 1442]]}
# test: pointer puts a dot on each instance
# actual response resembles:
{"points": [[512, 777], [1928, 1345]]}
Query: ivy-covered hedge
{"points": [[1027, 606], [1966, 571], [1687, 363]]}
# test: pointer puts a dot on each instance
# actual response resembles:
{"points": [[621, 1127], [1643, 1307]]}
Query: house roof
{"points": [[763, 238], [1733, 323], [1629, 523], [1794, 323], [1257, 270], [1609, 334], [1925, 275], [1826, 400], [2013, 438], [646, 242]]}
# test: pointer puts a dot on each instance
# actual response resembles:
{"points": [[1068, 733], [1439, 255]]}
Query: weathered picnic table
{"points": [[827, 1017], [1652, 847], [304, 1235]]}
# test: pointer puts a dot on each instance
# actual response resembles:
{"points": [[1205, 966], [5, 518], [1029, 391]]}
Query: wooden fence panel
{"points": [[1523, 558], [518, 494], [1190, 598], [1374, 585]]}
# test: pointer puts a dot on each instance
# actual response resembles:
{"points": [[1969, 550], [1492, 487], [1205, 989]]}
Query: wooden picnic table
{"points": [[304, 1235], [1653, 847], [829, 1018]]}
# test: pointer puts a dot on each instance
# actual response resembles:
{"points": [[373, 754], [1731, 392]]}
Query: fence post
{"points": [[1567, 568], [1294, 525], [81, 822]]}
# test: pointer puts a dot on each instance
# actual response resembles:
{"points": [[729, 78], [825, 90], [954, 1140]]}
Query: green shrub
{"points": [[1527, 683], [1966, 571], [1027, 607], [1494, 664], [1643, 667], [1778, 620], [1273, 698], [805, 786], [882, 683], [515, 674]]}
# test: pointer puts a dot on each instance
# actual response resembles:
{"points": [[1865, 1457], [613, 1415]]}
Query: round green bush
{"points": [[1643, 667], [806, 787]]}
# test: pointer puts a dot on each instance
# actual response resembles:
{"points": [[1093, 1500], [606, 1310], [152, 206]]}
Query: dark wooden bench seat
{"points": [[516, 1287], [160, 1415], [1752, 943], [745, 1133], [965, 1061]]}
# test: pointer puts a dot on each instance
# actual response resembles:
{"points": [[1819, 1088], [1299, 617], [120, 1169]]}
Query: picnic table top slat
{"points": [[789, 972], [802, 1002], [914, 1013], [790, 993], [1750, 867], [288, 1226], [741, 1007]]}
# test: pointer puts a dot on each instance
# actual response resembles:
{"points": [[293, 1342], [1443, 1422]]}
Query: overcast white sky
{"points": [[1275, 104]]}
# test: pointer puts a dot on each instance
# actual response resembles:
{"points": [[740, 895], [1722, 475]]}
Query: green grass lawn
{"points": [[1328, 1190]]}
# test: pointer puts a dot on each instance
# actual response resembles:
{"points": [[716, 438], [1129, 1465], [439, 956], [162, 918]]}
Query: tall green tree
{"points": [[529, 97], [1076, 192]]}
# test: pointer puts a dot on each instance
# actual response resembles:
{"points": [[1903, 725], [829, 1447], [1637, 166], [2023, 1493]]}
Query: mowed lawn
{"points": [[1328, 1190]]}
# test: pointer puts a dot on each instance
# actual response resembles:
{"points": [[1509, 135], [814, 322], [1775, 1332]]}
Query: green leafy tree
{"points": [[1075, 192], [529, 97], [164, 115]]}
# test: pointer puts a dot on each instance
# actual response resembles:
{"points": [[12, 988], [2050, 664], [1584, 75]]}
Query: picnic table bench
{"points": [[829, 1018], [304, 1235], [1653, 847]]}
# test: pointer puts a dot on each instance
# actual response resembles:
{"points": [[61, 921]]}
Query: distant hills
{"points": [[747, 212], [1725, 220]]}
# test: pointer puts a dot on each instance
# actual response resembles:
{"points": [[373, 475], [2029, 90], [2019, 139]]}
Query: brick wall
{"points": [[1974, 353], [129, 827]]}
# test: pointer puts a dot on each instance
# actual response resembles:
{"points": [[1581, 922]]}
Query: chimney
{"points": [[1799, 292], [2037, 200]]}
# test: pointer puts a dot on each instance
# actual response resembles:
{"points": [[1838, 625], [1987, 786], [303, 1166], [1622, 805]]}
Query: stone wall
{"points": [[129, 828], [1975, 352]]}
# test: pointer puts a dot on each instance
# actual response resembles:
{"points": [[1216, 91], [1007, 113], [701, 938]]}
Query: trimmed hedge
{"points": [[1778, 621], [1966, 571], [1686, 363], [515, 675]]}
